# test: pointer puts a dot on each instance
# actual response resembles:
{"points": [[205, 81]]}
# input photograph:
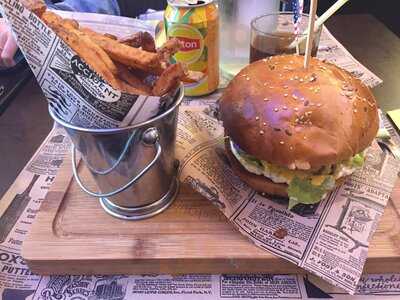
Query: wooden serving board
{"points": [[73, 235]]}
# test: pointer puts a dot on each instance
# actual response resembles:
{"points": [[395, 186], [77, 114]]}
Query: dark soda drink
{"points": [[263, 46]]}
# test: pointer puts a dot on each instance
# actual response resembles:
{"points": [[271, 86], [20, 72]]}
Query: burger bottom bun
{"points": [[261, 183]]}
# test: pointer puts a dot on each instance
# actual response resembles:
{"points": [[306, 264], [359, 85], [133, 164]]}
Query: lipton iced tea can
{"points": [[196, 25]]}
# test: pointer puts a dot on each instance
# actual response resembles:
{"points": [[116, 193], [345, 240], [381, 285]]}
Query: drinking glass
{"points": [[274, 34]]}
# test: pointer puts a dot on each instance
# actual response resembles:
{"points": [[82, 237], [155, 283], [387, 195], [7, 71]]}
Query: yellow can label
{"points": [[190, 40], [197, 30]]}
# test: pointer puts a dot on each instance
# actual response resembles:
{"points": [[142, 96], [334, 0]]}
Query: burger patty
{"points": [[259, 183]]}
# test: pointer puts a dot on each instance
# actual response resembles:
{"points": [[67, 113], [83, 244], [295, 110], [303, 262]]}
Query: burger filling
{"points": [[307, 187]]}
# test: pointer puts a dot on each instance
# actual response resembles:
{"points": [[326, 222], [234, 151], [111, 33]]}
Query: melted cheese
{"points": [[283, 175]]}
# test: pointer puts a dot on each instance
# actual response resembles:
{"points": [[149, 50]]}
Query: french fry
{"points": [[139, 39], [169, 48], [57, 23], [126, 75], [125, 87], [88, 51], [111, 36], [168, 79], [38, 7], [124, 54], [192, 76], [71, 23], [129, 69]]}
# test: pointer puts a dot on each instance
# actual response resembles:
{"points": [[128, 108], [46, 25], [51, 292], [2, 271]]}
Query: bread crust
{"points": [[277, 111]]}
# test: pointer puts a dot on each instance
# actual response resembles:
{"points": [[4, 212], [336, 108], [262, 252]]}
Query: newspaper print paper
{"points": [[74, 91], [17, 282]]}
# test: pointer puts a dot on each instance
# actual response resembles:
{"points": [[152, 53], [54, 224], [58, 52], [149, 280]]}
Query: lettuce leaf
{"points": [[303, 191], [357, 160]]}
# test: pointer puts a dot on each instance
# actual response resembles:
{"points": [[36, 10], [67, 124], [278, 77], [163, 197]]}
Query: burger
{"points": [[297, 132]]}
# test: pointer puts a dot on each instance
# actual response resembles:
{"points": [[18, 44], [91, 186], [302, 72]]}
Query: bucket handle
{"points": [[149, 137]]}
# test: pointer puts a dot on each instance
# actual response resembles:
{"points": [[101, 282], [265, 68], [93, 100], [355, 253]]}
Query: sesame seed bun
{"points": [[298, 118]]}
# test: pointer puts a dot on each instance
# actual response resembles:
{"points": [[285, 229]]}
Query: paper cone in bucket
{"points": [[75, 92]]}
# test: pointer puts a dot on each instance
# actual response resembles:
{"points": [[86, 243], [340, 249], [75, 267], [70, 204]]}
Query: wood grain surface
{"points": [[73, 235]]}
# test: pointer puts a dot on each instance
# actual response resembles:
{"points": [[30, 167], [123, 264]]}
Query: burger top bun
{"points": [[298, 118]]}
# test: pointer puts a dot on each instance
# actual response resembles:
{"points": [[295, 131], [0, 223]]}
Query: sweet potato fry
{"points": [[88, 51], [168, 79], [169, 48], [133, 40], [125, 87], [71, 23], [126, 75], [141, 39], [111, 36], [124, 54], [38, 7], [51, 19], [192, 76], [57, 23]]}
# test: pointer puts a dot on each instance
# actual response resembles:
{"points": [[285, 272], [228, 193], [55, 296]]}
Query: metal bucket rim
{"points": [[120, 129]]}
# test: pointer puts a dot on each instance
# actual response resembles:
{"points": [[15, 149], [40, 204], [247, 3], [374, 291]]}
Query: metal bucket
{"points": [[134, 167]]}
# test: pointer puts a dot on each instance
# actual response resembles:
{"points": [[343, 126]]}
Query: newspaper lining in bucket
{"points": [[75, 92]]}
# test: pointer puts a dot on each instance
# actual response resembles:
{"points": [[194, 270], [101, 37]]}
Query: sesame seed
{"points": [[301, 80], [280, 75], [296, 77], [247, 78], [291, 78], [261, 132], [265, 60], [291, 62], [294, 96], [281, 142], [265, 124], [319, 104], [265, 84], [297, 120], [284, 108], [276, 109], [266, 99], [285, 86], [310, 88], [257, 118], [285, 95], [271, 87], [304, 137], [291, 148], [355, 110], [244, 75], [296, 109]]}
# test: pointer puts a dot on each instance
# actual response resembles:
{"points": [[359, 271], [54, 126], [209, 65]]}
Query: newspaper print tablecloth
{"points": [[31, 186]]}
